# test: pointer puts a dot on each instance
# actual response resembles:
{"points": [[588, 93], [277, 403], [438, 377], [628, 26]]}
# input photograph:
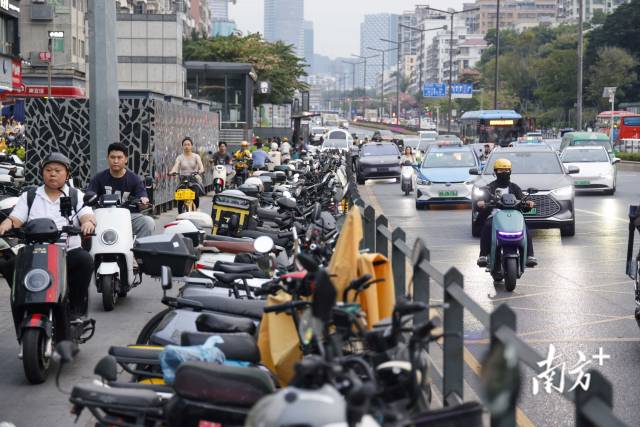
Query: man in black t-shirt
{"points": [[222, 157], [118, 179]]}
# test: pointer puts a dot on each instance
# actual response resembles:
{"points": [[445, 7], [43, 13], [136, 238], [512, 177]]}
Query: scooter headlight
{"points": [[109, 237], [37, 280], [478, 193]]}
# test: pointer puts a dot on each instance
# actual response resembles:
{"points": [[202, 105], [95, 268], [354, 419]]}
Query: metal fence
{"points": [[629, 146], [593, 407]]}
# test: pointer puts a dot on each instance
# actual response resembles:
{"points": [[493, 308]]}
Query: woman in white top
{"points": [[186, 164]]}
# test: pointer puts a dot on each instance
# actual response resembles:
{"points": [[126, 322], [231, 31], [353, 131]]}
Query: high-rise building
{"points": [[514, 14], [568, 9], [308, 43], [221, 25], [283, 21], [374, 28]]}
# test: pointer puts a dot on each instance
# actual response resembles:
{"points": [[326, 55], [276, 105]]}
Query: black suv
{"points": [[378, 160]]}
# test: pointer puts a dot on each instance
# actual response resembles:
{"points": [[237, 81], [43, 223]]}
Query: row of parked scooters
{"points": [[254, 275]]}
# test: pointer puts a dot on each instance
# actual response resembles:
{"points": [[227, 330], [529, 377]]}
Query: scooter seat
{"points": [[222, 385], [267, 213], [156, 388], [232, 268], [198, 281], [92, 395], [219, 323], [237, 307], [229, 278], [144, 355], [239, 346]]}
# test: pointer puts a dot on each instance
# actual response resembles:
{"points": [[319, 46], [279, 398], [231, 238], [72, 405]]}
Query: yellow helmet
{"points": [[244, 144], [502, 164]]}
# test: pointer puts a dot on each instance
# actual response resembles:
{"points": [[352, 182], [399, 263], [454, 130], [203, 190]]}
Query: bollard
{"points": [[453, 325], [421, 290], [382, 243], [398, 263], [369, 225], [503, 316]]}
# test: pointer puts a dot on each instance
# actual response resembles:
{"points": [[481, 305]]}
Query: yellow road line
{"points": [[486, 341], [544, 310], [582, 324]]}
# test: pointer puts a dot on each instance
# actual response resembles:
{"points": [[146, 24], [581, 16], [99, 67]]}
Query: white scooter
{"points": [[407, 178], [111, 250]]}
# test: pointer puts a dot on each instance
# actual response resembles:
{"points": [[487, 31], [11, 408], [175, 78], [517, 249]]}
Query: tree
{"points": [[614, 67], [557, 79], [273, 62]]}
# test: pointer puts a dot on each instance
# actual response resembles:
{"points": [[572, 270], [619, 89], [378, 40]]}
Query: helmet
{"points": [[285, 139], [502, 164], [293, 406], [244, 144], [274, 146], [56, 157]]}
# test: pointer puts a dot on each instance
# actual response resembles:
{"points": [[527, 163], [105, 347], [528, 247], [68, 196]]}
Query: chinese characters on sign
{"points": [[458, 90], [555, 371]]}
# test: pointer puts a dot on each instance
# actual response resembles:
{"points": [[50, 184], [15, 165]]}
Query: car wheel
{"points": [[568, 230], [398, 179], [610, 192]]}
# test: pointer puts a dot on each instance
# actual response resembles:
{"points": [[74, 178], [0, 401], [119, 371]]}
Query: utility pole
{"points": [[580, 61], [364, 101], [353, 84], [397, 76], [497, 70], [382, 51]]}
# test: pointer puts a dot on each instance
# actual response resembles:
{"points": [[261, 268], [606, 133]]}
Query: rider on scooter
{"points": [[223, 158], [56, 170], [502, 171], [119, 178], [243, 161]]}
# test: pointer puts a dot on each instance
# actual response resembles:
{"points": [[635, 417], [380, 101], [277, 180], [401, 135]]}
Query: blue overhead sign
{"points": [[432, 90], [458, 90]]}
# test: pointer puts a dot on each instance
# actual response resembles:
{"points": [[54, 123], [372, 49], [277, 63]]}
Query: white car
{"points": [[317, 132], [597, 170], [428, 134], [337, 139]]}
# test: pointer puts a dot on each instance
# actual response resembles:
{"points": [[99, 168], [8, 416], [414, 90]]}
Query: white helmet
{"points": [[274, 146], [255, 181]]}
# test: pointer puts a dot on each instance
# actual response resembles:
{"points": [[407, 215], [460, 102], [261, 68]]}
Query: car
{"points": [[583, 139], [378, 160], [443, 176], [597, 171], [448, 140], [337, 139], [317, 132], [428, 135], [539, 167], [388, 136]]}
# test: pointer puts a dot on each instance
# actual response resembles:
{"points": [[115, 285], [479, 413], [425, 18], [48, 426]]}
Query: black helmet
{"points": [[56, 157]]}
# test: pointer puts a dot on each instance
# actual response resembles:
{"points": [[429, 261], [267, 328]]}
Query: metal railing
{"points": [[593, 407]]}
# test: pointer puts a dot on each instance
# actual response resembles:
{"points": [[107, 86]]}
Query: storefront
{"points": [[10, 62]]}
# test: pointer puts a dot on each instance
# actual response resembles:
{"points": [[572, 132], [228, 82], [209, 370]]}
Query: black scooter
{"points": [[40, 294]]}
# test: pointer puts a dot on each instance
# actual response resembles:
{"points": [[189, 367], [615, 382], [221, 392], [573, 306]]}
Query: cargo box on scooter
{"points": [[267, 181], [231, 211], [172, 250], [249, 190]]}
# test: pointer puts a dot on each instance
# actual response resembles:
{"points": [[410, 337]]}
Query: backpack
{"points": [[31, 196]]}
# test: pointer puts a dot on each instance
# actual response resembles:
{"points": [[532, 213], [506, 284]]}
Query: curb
{"points": [[627, 165]]}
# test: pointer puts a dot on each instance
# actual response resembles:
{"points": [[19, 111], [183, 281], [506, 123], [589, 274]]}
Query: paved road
{"points": [[578, 299]]}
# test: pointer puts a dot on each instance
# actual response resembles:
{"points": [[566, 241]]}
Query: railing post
{"points": [[421, 290], [452, 379], [599, 387], [502, 316], [370, 229], [382, 244], [398, 262]]}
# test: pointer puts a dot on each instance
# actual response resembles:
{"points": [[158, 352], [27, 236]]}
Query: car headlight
{"points": [[424, 182], [563, 192], [37, 280], [109, 237], [478, 193]]}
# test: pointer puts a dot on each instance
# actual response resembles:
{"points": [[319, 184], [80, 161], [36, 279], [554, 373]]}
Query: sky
{"points": [[336, 22]]}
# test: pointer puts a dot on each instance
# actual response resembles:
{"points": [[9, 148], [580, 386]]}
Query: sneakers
{"points": [[531, 261], [482, 261]]}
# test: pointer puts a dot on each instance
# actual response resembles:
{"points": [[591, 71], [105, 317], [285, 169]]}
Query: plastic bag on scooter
{"points": [[173, 356]]}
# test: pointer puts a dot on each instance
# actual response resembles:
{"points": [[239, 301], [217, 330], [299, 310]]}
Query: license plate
{"points": [[185, 194], [447, 193], [582, 182], [533, 211]]}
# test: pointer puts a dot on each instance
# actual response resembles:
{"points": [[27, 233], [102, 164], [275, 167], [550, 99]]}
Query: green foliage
{"points": [[633, 157], [614, 67], [275, 62]]}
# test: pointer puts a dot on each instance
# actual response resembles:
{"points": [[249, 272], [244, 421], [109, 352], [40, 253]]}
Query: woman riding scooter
{"points": [[187, 164], [502, 185]]}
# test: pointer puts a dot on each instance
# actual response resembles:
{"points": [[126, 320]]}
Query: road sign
{"points": [[461, 90], [609, 91], [56, 34], [434, 90], [45, 56]]}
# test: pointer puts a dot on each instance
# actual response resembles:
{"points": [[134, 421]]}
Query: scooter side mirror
{"points": [[66, 350], [474, 171], [263, 244], [166, 278], [107, 368], [148, 181], [90, 198], [532, 191]]}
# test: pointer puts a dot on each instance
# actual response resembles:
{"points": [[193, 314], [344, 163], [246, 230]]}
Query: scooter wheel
{"points": [[149, 328], [511, 274], [34, 360], [109, 292]]}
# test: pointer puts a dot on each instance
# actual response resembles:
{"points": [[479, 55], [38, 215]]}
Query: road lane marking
{"points": [[626, 221], [582, 324], [487, 341], [545, 310], [521, 418]]}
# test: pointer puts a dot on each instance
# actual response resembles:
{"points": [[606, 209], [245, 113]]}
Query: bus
{"points": [[491, 127], [626, 125]]}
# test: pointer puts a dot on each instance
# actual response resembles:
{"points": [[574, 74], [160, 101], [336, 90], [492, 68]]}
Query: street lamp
{"points": [[397, 43], [353, 83], [382, 51], [364, 102], [422, 31], [451, 15]]}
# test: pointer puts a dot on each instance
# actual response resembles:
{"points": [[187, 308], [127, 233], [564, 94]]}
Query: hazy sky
{"points": [[336, 22]]}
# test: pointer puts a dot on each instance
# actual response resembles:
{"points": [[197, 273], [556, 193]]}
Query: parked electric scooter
{"points": [[407, 178], [40, 304], [111, 249], [508, 257]]}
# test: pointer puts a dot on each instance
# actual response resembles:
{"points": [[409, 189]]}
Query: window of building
{"points": [[82, 51], [139, 8], [74, 48]]}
